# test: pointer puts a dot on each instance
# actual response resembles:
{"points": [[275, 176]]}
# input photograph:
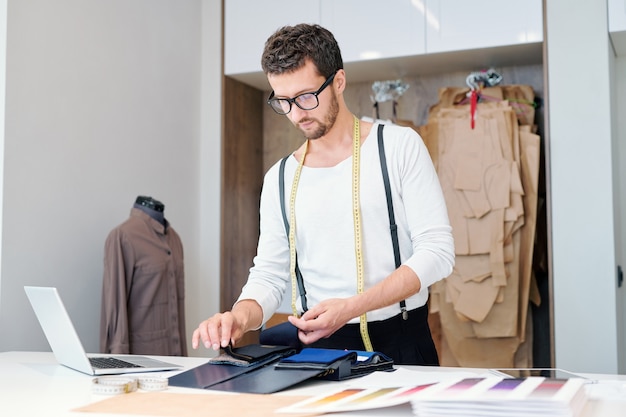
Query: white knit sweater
{"points": [[325, 226]]}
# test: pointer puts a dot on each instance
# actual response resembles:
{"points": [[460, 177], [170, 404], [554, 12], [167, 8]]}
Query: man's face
{"points": [[313, 123]]}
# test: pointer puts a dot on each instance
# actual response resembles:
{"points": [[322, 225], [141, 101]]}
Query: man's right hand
{"points": [[217, 332], [223, 328]]}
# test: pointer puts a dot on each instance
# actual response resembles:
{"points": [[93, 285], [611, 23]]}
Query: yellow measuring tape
{"points": [[356, 214], [292, 230]]}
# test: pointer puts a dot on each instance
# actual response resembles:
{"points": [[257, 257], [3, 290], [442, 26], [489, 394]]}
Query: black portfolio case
{"points": [[265, 369], [248, 369]]}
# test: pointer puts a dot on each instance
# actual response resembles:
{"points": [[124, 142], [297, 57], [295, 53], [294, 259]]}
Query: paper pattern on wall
{"points": [[489, 176]]}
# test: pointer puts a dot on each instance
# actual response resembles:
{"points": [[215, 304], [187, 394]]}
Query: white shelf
{"points": [[420, 65]]}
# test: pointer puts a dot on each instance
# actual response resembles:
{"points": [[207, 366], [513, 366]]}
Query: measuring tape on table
{"points": [[113, 385]]}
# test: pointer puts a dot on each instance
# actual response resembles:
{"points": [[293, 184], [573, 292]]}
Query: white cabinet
{"points": [[617, 15], [248, 24], [392, 34], [453, 25], [374, 29], [617, 25]]}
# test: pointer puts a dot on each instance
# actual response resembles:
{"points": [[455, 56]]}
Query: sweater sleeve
{"points": [[426, 212], [269, 275]]}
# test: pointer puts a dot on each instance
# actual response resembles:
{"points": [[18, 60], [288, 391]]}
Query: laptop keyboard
{"points": [[111, 363]]}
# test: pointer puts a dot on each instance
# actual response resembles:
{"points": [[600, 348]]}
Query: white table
{"points": [[34, 384]]}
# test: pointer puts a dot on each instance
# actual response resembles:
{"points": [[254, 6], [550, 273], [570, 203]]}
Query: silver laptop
{"points": [[67, 347]]}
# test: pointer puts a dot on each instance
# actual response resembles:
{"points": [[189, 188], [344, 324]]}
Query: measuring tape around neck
{"points": [[292, 230], [356, 214]]}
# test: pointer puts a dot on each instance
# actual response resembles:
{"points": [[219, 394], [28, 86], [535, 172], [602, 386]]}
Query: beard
{"points": [[323, 127]]}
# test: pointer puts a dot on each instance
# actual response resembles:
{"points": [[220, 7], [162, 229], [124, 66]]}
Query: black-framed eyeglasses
{"points": [[306, 101]]}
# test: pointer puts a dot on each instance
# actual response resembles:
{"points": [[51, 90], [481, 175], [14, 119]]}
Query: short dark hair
{"points": [[290, 47]]}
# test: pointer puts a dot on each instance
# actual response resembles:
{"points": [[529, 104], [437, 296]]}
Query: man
{"points": [[338, 219]]}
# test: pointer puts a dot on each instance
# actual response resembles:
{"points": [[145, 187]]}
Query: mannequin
{"points": [[143, 288], [153, 207]]}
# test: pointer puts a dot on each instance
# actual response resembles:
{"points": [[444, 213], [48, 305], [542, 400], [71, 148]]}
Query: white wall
{"points": [[620, 191], [3, 55], [581, 186], [106, 100], [203, 292]]}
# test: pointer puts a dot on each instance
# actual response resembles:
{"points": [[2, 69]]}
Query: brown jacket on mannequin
{"points": [[143, 288]]}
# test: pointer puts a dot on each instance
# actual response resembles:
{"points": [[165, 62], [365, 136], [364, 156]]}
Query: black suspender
{"points": [[392, 224], [281, 188], [392, 220]]}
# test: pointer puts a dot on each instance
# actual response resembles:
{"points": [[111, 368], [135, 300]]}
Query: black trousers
{"points": [[407, 342]]}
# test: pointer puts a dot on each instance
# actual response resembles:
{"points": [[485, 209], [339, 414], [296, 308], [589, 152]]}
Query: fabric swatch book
{"points": [[482, 396], [337, 364]]}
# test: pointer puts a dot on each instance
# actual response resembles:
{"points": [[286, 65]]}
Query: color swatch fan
{"points": [[511, 397]]}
